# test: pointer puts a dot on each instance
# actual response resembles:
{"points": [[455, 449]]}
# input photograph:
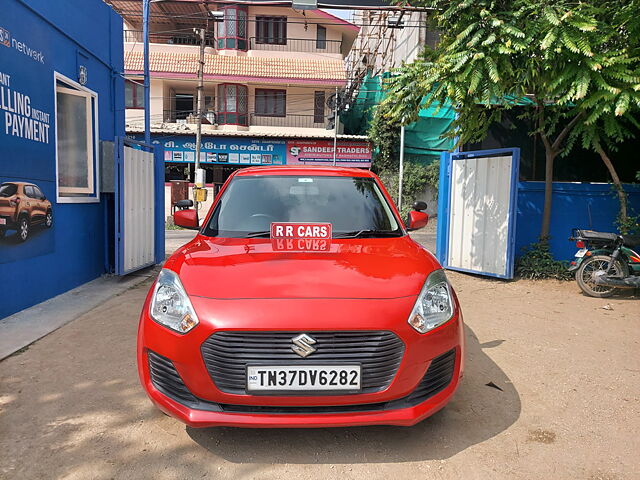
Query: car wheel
{"points": [[48, 219], [23, 229]]}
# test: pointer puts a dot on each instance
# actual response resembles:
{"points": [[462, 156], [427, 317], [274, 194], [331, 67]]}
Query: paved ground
{"points": [[567, 403], [174, 239], [27, 326]]}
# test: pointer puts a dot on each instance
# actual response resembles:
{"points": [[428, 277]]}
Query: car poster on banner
{"points": [[320, 152], [27, 141]]}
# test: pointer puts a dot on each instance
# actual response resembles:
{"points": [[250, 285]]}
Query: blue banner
{"points": [[27, 136], [221, 150]]}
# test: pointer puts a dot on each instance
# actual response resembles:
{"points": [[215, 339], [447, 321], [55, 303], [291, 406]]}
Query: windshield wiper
{"points": [[367, 233], [263, 233]]}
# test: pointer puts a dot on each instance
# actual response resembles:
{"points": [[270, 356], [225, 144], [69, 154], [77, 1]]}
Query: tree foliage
{"points": [[385, 135], [573, 67]]}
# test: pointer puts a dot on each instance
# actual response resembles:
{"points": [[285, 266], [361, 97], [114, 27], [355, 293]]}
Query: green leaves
{"points": [[550, 16], [564, 55], [622, 104]]}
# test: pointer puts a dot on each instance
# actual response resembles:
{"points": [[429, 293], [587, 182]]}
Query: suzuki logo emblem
{"points": [[303, 345]]}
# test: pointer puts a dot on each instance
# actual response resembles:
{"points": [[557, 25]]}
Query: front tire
{"points": [[48, 219], [592, 267], [23, 229]]}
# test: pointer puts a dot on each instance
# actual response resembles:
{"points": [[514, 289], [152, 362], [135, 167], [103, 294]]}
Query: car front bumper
{"points": [[186, 391]]}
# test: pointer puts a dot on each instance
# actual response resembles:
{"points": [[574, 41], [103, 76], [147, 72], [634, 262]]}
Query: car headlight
{"points": [[434, 305], [170, 305]]}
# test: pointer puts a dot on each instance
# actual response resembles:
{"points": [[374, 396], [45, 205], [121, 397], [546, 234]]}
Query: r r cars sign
{"points": [[301, 230]]}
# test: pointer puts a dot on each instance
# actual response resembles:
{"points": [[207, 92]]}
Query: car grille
{"points": [[166, 379], [226, 355]]}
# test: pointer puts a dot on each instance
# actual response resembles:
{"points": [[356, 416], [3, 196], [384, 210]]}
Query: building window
{"points": [[232, 32], [271, 30], [318, 107], [321, 38], [271, 103], [133, 95], [76, 141], [233, 104]]}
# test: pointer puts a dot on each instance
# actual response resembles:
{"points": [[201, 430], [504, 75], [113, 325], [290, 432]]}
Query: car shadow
{"points": [[485, 405]]}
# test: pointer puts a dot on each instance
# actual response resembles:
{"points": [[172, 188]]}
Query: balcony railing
{"points": [[307, 45], [187, 116], [295, 45], [135, 36], [255, 119], [289, 120]]}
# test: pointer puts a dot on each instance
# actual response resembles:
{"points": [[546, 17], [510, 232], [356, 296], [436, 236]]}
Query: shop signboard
{"points": [[221, 150], [320, 152], [246, 152]]}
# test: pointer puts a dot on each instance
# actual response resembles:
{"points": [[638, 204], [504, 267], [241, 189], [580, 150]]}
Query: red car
{"points": [[302, 302]]}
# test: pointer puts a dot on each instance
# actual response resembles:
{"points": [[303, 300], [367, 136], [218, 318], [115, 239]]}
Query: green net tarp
{"points": [[424, 139], [358, 119]]}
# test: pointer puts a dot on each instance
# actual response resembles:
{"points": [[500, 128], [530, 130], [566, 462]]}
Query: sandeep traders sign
{"points": [[320, 152]]}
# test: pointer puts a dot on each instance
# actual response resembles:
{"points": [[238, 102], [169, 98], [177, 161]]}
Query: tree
{"points": [[612, 115], [564, 62]]}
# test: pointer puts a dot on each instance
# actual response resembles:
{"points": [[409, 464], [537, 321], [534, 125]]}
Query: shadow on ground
{"points": [[476, 413]]}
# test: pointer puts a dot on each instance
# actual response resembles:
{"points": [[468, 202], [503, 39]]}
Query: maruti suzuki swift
{"points": [[301, 302]]}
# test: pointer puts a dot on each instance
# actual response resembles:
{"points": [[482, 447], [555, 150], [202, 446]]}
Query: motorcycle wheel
{"points": [[593, 266]]}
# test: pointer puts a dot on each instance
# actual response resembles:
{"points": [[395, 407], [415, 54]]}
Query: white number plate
{"points": [[580, 253], [3, 221], [302, 378]]}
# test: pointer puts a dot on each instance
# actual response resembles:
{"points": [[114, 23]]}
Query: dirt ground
{"points": [[565, 403]]}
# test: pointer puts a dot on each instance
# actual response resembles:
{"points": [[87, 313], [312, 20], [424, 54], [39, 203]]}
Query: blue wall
{"points": [[68, 33], [592, 206]]}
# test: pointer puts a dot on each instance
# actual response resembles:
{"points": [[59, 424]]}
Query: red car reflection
{"points": [[244, 329]]}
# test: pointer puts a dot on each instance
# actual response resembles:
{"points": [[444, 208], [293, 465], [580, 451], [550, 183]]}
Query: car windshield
{"points": [[354, 206], [8, 189]]}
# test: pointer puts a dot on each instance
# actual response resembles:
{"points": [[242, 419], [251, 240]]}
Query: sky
{"points": [[344, 14]]}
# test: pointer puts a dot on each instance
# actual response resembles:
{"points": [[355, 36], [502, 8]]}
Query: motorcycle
{"points": [[605, 262]]}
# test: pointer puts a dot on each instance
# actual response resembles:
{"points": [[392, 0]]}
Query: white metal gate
{"points": [[481, 214], [136, 208]]}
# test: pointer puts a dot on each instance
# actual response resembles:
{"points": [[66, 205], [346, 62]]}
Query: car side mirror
{"points": [[417, 218], [187, 218]]}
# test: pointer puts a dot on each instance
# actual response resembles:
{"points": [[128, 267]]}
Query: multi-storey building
{"points": [[387, 39], [271, 75]]}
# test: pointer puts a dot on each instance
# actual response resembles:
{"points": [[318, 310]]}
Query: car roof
{"points": [[304, 170]]}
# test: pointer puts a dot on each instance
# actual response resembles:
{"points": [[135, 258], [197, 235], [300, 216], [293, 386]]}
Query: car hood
{"points": [[234, 268]]}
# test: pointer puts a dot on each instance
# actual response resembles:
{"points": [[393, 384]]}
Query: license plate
{"points": [[580, 253], [3, 221], [262, 378]]}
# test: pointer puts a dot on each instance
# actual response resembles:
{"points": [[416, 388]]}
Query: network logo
{"points": [[5, 37]]}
